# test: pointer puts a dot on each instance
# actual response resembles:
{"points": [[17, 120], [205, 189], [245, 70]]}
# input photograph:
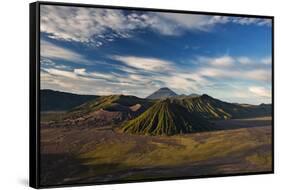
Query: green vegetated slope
{"points": [[113, 103], [166, 117], [102, 111], [211, 108], [187, 114]]}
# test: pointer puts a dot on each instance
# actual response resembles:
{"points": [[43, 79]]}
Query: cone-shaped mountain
{"points": [[166, 117], [162, 93]]}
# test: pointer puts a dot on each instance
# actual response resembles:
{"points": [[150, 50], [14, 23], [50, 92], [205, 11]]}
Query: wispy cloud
{"points": [[82, 81], [70, 33], [144, 63], [261, 75], [86, 25], [99, 26], [51, 51], [230, 67], [245, 60], [249, 21], [222, 61], [62, 73], [153, 73], [267, 61], [260, 91]]}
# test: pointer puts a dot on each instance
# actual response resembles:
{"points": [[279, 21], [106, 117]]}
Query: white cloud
{"points": [[144, 63], [99, 26], [234, 68], [80, 71], [212, 72], [260, 91], [245, 60], [83, 82], [141, 76], [94, 75], [79, 80], [102, 75], [258, 74], [74, 24], [90, 25], [51, 51], [223, 61], [267, 61], [248, 61], [179, 82], [262, 75], [176, 23], [229, 61], [248, 21], [62, 73]]}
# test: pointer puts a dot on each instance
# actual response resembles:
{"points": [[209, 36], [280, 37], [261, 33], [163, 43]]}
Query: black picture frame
{"points": [[34, 90]]}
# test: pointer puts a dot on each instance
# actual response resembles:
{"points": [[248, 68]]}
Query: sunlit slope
{"points": [[112, 103], [166, 117], [102, 111], [211, 108]]}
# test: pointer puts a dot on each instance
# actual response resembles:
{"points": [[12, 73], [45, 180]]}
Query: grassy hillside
{"points": [[166, 117], [173, 115], [110, 103], [211, 108], [104, 110]]}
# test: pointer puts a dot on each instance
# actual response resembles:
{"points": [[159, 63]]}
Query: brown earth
{"points": [[90, 154]]}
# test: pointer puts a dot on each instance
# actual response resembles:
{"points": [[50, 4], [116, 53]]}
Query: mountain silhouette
{"points": [[162, 93], [60, 101]]}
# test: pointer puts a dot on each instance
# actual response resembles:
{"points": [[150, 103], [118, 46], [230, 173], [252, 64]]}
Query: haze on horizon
{"points": [[103, 51]]}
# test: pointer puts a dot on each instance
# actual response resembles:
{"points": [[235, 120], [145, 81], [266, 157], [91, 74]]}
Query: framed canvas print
{"points": [[121, 94]]}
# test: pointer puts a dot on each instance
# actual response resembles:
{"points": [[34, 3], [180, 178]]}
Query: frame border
{"points": [[34, 93]]}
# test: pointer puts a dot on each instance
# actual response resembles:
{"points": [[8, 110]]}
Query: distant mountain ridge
{"points": [[51, 100], [169, 114], [212, 108], [162, 93]]}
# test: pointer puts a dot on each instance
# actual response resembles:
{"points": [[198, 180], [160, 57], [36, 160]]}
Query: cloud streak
{"points": [[155, 73], [98, 26], [260, 91], [223, 61], [144, 63], [52, 51]]}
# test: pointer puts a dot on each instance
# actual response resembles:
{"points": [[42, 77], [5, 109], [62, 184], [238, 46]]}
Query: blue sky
{"points": [[103, 51]]}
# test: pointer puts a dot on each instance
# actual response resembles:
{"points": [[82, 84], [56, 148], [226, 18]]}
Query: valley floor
{"points": [[91, 155]]}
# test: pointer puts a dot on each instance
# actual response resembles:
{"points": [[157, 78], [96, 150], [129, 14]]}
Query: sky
{"points": [[110, 51]]}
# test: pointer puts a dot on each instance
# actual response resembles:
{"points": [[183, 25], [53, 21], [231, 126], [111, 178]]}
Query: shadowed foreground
{"points": [[76, 155]]}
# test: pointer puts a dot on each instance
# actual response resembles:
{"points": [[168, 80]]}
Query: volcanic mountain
{"points": [[174, 114], [105, 110], [166, 117], [212, 108], [162, 93], [193, 95]]}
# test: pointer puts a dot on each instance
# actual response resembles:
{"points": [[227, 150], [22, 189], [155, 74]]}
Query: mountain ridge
{"points": [[52, 100], [166, 117]]}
